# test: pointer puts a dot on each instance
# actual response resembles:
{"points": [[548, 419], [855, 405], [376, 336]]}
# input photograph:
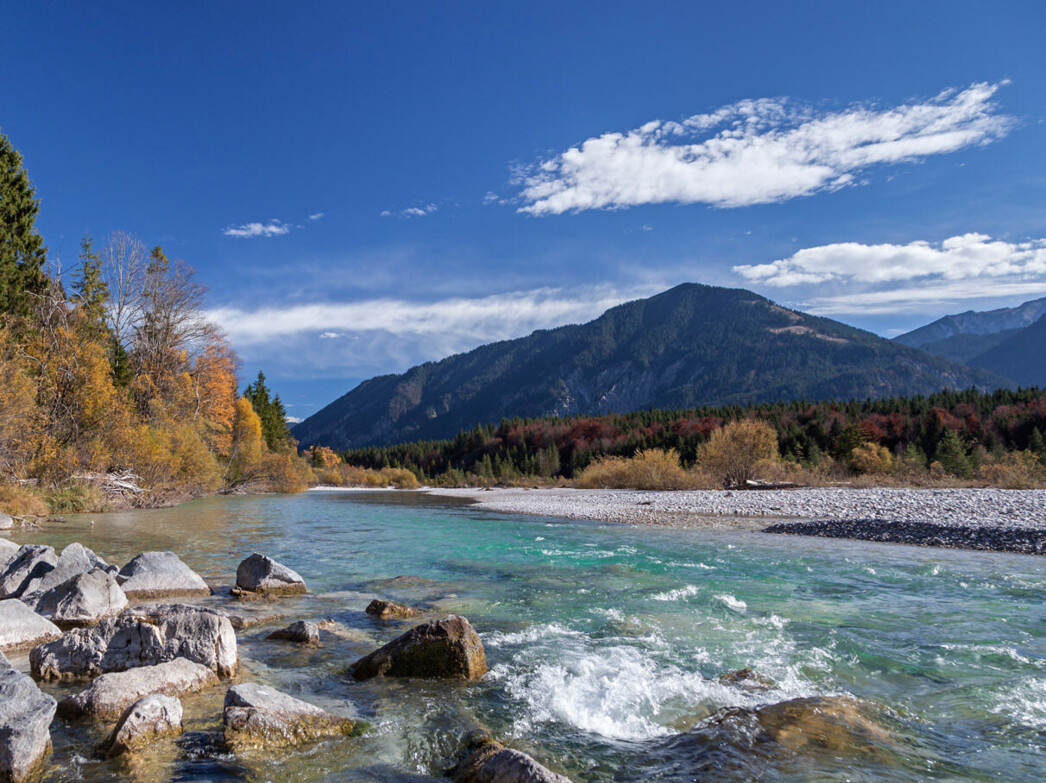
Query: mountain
{"points": [[690, 346], [966, 335], [1021, 356]]}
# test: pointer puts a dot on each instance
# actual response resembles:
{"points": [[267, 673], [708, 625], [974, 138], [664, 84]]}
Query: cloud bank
{"points": [[893, 278], [756, 152]]}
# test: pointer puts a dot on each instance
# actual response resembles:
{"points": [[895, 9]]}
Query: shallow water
{"points": [[605, 642]]}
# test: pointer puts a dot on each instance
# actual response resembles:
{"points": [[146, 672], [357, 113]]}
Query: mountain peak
{"points": [[689, 346]]}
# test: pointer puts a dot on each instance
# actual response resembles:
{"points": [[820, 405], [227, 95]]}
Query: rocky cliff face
{"points": [[691, 346]]}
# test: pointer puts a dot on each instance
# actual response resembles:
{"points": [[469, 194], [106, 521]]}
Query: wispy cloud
{"points": [[925, 299], [317, 216], [411, 212], [756, 152], [495, 317], [273, 228]]}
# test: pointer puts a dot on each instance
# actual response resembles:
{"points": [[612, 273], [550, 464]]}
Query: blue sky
{"points": [[366, 186]]}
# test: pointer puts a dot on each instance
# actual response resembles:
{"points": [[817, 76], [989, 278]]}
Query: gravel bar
{"points": [[997, 519]]}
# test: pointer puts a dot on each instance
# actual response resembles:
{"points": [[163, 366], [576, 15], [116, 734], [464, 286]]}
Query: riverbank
{"points": [[991, 519]]}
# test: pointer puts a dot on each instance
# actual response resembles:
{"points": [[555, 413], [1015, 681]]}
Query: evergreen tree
{"points": [[22, 250], [271, 411], [90, 291], [1037, 444], [951, 453]]}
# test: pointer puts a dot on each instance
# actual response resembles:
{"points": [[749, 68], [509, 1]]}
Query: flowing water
{"points": [[605, 643]]}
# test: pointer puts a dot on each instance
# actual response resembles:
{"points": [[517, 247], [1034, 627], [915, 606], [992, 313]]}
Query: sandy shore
{"points": [[1003, 520]]}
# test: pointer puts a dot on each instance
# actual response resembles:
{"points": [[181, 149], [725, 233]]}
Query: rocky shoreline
{"points": [[981, 519]]}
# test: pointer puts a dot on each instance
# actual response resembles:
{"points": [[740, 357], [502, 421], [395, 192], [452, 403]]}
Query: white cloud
{"points": [[410, 212], [756, 152], [467, 320], [317, 216], [924, 299], [961, 257], [273, 228], [294, 419]]}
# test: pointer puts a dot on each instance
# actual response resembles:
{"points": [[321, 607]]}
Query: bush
{"points": [[871, 459], [18, 500], [75, 499], [651, 469], [734, 453], [1017, 470]]}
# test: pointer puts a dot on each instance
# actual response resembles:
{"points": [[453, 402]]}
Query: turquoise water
{"points": [[605, 643]]}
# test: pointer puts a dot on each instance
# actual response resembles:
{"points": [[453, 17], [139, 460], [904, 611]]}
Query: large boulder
{"points": [[390, 610], [160, 575], [6, 523], [488, 761], [32, 562], [441, 649], [148, 719], [84, 599], [261, 575], [109, 696], [25, 725], [21, 627], [75, 559], [4, 663], [302, 632], [257, 716], [141, 636]]}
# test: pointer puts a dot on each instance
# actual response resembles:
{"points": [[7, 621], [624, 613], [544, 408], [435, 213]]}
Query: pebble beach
{"points": [[1004, 520]]}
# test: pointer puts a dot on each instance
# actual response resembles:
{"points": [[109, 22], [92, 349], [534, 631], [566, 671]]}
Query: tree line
{"points": [[955, 432]]}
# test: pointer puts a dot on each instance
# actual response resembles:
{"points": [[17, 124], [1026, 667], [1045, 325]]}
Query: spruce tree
{"points": [[22, 250], [91, 292], [272, 413]]}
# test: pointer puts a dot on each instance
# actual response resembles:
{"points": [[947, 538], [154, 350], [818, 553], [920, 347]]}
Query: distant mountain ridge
{"points": [[690, 346], [1010, 341], [1021, 356], [985, 324]]}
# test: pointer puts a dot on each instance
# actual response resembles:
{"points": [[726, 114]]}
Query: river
{"points": [[605, 643]]}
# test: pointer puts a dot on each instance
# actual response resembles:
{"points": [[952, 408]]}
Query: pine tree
{"points": [[951, 453], [22, 250], [90, 291], [272, 413]]}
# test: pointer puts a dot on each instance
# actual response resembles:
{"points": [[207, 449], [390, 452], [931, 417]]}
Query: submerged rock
{"points": [[261, 575], [84, 599], [747, 679], [243, 621], [160, 575], [141, 636], [155, 716], [257, 716], [441, 649], [834, 725], [303, 632], [21, 627], [390, 610], [488, 761], [31, 562], [25, 725], [111, 694]]}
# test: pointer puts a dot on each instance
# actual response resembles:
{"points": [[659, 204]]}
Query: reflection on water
{"points": [[606, 644]]}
